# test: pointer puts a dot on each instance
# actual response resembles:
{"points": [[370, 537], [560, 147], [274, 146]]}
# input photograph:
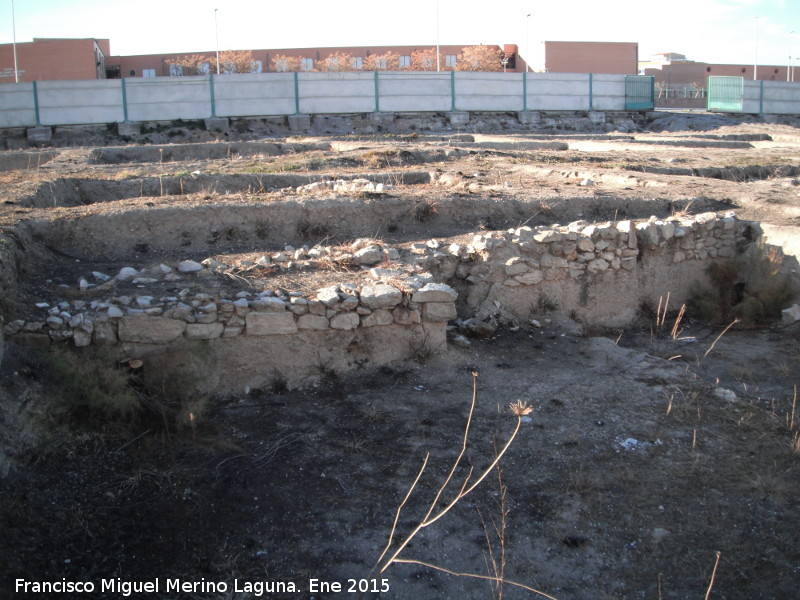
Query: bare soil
{"points": [[646, 457]]}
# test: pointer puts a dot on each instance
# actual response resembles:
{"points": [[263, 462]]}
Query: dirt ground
{"points": [[652, 465]]}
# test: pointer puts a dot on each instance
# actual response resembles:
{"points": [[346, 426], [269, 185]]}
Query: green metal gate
{"points": [[640, 92], [725, 94]]}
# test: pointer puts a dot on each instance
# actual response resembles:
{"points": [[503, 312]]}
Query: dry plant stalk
{"points": [[518, 409], [724, 331], [713, 575]]}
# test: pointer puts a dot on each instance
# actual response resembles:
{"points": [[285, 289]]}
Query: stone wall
{"points": [[599, 274]]}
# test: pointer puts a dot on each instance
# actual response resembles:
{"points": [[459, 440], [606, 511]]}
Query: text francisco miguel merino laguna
{"points": [[153, 586]]}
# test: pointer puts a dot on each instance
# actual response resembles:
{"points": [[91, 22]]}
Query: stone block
{"points": [[270, 323], [204, 331], [597, 117], [39, 134], [149, 330], [458, 117], [129, 128], [313, 322], [434, 292], [377, 318], [217, 124], [345, 321], [438, 312], [383, 119], [380, 296], [528, 117], [299, 122]]}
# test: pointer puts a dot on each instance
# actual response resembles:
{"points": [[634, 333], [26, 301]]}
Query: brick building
{"points": [[54, 58], [591, 57]]}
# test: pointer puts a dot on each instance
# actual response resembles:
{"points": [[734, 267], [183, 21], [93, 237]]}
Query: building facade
{"points": [[50, 59]]}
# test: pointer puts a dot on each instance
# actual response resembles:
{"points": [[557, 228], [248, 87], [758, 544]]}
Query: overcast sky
{"points": [[717, 31]]}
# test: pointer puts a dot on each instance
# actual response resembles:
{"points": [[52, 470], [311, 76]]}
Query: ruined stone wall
{"points": [[601, 273], [598, 274]]}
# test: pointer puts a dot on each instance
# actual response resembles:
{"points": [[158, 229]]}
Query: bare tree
{"points": [[338, 61], [190, 64], [382, 62], [237, 61], [479, 58], [285, 64], [425, 60]]}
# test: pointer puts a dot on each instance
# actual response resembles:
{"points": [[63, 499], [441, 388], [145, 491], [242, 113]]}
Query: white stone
{"points": [[791, 315], [126, 273], [189, 266], [380, 296], [270, 323], [435, 292], [345, 321]]}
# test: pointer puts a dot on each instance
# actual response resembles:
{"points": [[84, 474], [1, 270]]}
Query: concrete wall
{"points": [[164, 99], [167, 99], [16, 105], [771, 97], [65, 102], [251, 95]]}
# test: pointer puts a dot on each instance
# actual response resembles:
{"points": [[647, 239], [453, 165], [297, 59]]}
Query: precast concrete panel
{"points": [[339, 92], [17, 105], [558, 91], [254, 94], [79, 102], [420, 91], [488, 91], [175, 98]]}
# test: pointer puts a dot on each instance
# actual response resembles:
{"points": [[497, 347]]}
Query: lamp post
{"points": [[14, 39], [438, 66], [216, 35], [789, 64], [528, 42], [755, 65]]}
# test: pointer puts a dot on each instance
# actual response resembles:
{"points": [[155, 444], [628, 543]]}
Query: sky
{"points": [[714, 31]]}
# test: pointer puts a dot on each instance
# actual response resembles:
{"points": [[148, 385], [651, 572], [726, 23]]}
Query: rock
{"points": [[371, 255], [204, 331], [126, 273], [790, 315], [438, 312], [268, 304], [14, 327], [724, 394], [345, 321], [380, 296], [189, 266], [461, 341], [586, 182], [434, 292], [149, 330], [313, 322], [379, 317], [270, 323], [328, 296], [478, 328]]}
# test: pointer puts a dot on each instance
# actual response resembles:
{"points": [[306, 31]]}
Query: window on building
{"points": [[257, 66], [405, 61], [356, 62], [450, 60], [175, 70], [148, 72], [203, 68], [307, 64], [381, 63]]}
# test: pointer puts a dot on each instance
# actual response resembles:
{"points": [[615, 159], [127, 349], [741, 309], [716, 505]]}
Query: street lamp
{"points": [[14, 39], [755, 65], [528, 42], [789, 64], [438, 66], [216, 35]]}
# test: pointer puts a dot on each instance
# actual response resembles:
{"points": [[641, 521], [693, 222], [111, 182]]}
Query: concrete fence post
{"points": [[124, 101], [296, 93], [525, 90], [591, 98], [452, 90], [761, 98], [377, 94], [36, 104], [211, 92]]}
